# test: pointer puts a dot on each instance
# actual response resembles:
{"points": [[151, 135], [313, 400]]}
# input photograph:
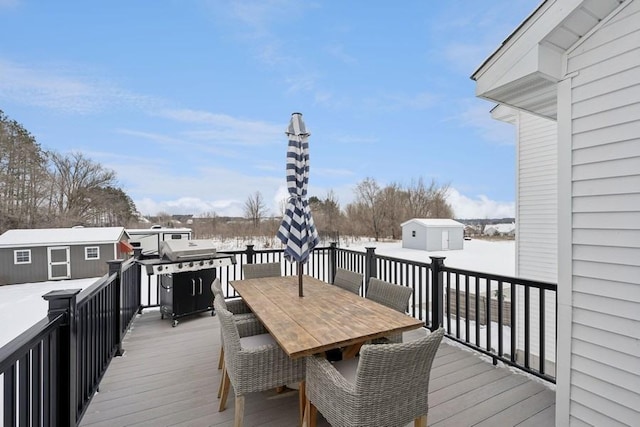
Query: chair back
{"points": [[385, 293], [216, 288], [397, 376], [255, 271], [230, 335], [348, 280]]}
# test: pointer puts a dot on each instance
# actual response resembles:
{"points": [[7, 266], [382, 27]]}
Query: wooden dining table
{"points": [[325, 318]]}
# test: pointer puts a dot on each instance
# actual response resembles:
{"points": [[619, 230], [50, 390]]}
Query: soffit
{"points": [[524, 71]]}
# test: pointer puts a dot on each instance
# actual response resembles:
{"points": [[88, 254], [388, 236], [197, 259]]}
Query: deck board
{"points": [[169, 377]]}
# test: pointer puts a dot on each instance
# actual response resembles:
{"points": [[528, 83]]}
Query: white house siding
{"points": [[537, 198], [537, 222], [605, 208]]}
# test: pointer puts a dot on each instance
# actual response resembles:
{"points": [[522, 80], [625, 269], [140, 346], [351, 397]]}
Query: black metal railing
{"points": [[510, 319], [52, 370]]}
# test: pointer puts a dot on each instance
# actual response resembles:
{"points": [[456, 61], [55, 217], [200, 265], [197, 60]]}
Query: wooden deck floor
{"points": [[169, 377]]}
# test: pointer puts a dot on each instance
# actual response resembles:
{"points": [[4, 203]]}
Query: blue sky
{"points": [[187, 100]]}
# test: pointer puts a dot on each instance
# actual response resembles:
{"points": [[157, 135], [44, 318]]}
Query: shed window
{"points": [[22, 256], [413, 233], [91, 252]]}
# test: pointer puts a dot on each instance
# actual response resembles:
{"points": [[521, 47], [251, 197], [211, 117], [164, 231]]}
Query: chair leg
{"points": [[310, 414], [239, 419], [221, 380], [421, 421], [221, 358], [302, 400], [225, 391]]}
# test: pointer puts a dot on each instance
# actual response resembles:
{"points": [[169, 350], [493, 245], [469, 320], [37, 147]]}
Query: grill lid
{"points": [[180, 250]]}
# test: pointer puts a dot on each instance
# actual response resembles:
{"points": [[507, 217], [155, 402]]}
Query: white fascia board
{"points": [[504, 113], [522, 54]]}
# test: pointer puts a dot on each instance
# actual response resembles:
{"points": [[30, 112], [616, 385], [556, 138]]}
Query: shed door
{"points": [[59, 263], [445, 240]]}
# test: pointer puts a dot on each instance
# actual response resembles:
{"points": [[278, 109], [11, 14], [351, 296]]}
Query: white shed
{"points": [[432, 234]]}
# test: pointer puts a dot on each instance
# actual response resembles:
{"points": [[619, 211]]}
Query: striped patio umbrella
{"points": [[297, 230]]}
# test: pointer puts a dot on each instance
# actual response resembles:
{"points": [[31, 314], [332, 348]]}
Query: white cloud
{"points": [[226, 129], [190, 205], [9, 3], [338, 52], [465, 207], [64, 89], [476, 114]]}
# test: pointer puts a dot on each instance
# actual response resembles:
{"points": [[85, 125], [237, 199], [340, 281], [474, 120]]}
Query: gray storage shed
{"points": [[38, 255], [432, 234]]}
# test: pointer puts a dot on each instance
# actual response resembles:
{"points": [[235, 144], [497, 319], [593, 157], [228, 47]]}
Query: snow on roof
{"points": [[501, 228], [434, 222], [60, 236]]}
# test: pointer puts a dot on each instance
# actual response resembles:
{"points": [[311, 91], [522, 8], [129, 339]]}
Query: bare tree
{"points": [[77, 183], [392, 198], [331, 208], [368, 196], [255, 209], [428, 202]]}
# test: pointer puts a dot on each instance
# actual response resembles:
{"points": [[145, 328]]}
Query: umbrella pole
{"points": [[300, 280]]}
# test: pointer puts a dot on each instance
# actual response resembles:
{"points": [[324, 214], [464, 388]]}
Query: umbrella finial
{"points": [[297, 126]]}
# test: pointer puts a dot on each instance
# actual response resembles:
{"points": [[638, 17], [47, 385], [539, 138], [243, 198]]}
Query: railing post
{"points": [[250, 254], [115, 267], [66, 358], [333, 257], [437, 292], [369, 267], [137, 254]]}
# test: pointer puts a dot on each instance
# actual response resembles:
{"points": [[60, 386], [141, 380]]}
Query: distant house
{"points": [[432, 234], [573, 68], [38, 255], [500, 229]]}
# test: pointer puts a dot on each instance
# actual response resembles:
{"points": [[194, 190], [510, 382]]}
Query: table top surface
{"points": [[326, 317]]}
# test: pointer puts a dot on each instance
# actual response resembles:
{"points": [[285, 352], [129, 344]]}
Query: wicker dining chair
{"points": [[248, 322], [387, 385], [348, 280], [254, 364], [393, 296], [268, 269]]}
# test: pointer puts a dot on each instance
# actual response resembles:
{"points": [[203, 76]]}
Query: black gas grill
{"points": [[185, 270]]}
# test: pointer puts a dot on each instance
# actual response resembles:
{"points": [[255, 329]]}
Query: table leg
{"points": [[352, 351]]}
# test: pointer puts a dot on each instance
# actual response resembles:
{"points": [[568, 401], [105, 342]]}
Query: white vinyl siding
{"points": [[605, 247], [537, 222], [537, 198]]}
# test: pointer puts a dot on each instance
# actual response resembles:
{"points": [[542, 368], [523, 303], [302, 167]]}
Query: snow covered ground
{"points": [[22, 305], [487, 256]]}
